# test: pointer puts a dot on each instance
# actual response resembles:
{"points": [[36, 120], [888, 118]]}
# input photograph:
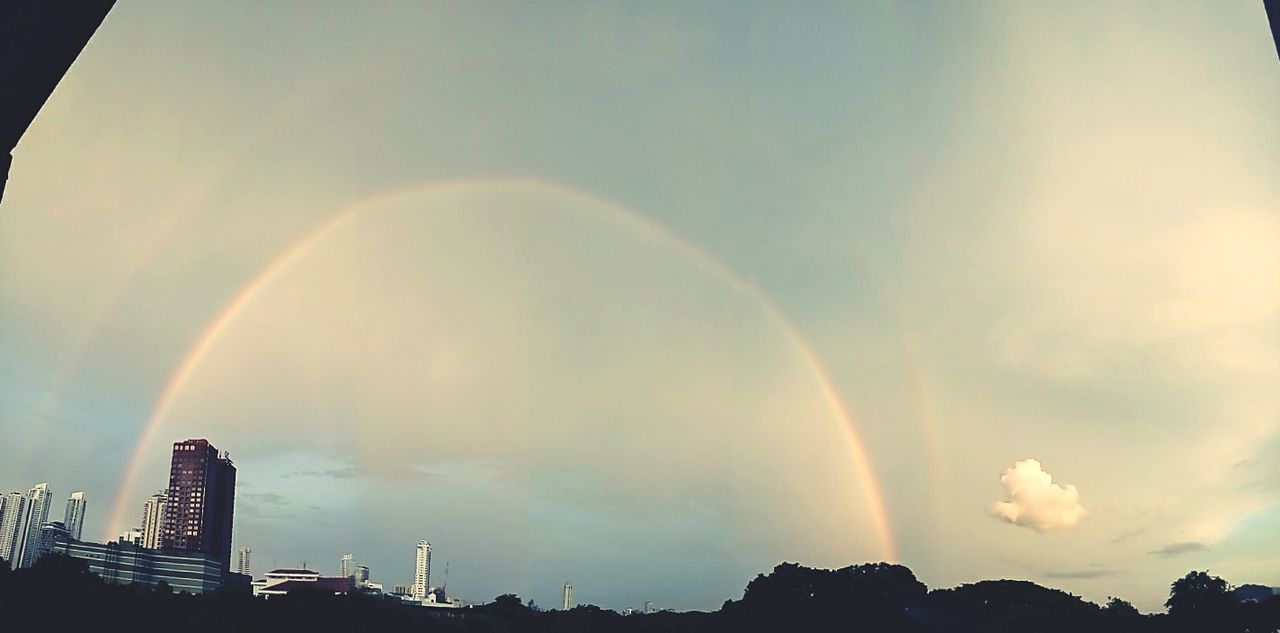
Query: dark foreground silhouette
{"points": [[38, 43], [61, 593]]}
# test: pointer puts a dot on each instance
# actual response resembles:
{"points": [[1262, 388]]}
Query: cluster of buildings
{"points": [[184, 539], [25, 530], [354, 578]]}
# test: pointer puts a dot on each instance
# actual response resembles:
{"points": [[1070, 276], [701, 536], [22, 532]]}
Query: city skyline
{"points": [[652, 297], [194, 515], [26, 532]]}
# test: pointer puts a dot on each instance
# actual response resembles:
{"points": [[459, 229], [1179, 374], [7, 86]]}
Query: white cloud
{"points": [[1036, 502]]}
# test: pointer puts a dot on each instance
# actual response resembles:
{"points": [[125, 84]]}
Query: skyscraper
{"points": [[362, 575], [197, 515], [244, 566], [346, 566], [568, 597], [73, 519], [153, 520], [15, 507], [422, 571], [39, 498]]}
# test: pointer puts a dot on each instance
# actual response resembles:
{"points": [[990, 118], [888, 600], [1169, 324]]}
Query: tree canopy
{"points": [[879, 597]]}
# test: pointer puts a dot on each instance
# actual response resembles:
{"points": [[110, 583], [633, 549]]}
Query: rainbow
{"points": [[209, 336]]}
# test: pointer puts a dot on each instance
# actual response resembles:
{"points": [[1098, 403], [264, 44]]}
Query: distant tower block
{"points": [[39, 499], [568, 596], [153, 520], [422, 571], [244, 564], [73, 518], [15, 506], [346, 566]]}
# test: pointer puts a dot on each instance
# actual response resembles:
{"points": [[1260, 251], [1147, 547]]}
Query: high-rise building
{"points": [[568, 597], [362, 575], [346, 566], [15, 509], [153, 520], [244, 565], [422, 571], [73, 519], [39, 498], [201, 497]]}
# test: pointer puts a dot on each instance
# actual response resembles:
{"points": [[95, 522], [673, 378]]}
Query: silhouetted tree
{"points": [[997, 606], [1263, 615], [876, 597], [1120, 615], [1121, 608], [1200, 602], [880, 598]]}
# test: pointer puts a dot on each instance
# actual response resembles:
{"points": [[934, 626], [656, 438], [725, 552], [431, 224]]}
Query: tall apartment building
{"points": [[11, 520], [201, 498], [422, 571], [39, 498], [244, 565], [73, 518], [568, 597], [346, 566], [153, 520]]}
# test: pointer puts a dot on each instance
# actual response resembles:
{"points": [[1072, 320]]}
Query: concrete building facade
{"points": [[153, 520], [11, 520], [39, 498], [245, 564], [422, 571], [124, 563], [73, 518]]}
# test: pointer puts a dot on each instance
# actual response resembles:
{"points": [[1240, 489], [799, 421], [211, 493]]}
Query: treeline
{"points": [[60, 593]]}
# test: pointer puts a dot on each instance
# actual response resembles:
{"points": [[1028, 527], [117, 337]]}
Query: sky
{"points": [[651, 297]]}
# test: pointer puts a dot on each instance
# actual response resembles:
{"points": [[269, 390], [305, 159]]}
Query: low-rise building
{"points": [[126, 563], [131, 536], [51, 534], [437, 599], [278, 582]]}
